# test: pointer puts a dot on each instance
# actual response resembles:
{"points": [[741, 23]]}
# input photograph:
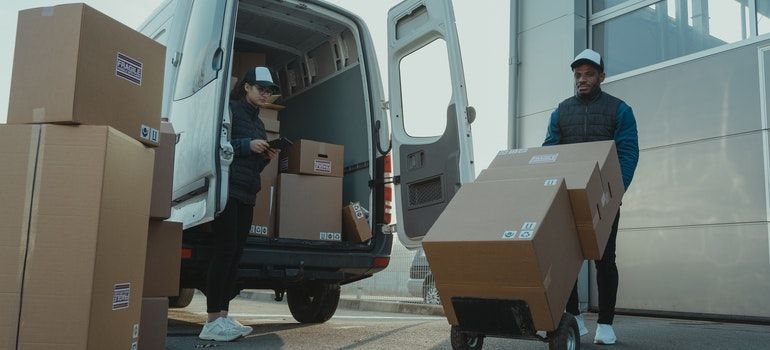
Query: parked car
{"points": [[421, 282]]}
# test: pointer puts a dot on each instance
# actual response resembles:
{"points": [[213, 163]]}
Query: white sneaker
{"points": [[605, 335], [219, 330], [581, 325], [245, 330]]}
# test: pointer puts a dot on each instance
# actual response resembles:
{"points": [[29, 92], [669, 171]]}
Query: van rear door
{"points": [[199, 110], [429, 166]]}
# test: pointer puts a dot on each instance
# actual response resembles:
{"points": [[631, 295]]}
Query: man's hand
{"points": [[258, 146], [271, 153]]}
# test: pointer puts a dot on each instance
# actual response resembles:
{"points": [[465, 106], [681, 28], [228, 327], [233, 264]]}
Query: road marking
{"points": [[246, 315]]}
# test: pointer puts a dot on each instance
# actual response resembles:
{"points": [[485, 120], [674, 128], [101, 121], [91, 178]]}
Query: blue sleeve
{"points": [[241, 147], [553, 137], [627, 142]]}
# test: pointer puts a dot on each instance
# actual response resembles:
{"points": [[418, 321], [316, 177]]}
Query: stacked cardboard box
{"points": [[78, 206], [522, 230], [263, 222], [310, 194]]}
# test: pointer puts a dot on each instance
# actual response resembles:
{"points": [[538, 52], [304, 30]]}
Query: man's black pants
{"points": [[606, 280], [231, 228]]}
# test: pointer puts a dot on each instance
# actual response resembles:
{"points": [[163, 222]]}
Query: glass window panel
{"points": [[667, 30], [426, 90], [598, 5], [763, 16]]}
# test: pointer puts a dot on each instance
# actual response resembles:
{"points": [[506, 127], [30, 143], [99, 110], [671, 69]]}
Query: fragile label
{"points": [[148, 133], [530, 225], [331, 236], [526, 234], [129, 69], [134, 346], [322, 166], [506, 152], [120, 296], [544, 158], [357, 210], [509, 234], [550, 182], [257, 230], [135, 332]]}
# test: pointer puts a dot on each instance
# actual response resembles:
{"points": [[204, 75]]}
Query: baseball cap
{"points": [[260, 76], [589, 56]]}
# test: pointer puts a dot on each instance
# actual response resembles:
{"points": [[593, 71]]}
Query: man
{"points": [[594, 115]]}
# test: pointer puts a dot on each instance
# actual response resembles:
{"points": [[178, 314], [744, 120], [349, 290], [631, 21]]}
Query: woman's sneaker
{"points": [[605, 335], [245, 330], [581, 325], [219, 330]]}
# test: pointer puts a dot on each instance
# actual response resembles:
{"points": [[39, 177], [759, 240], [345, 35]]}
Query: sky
{"points": [[482, 29]]}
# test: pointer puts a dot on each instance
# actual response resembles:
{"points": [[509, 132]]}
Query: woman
{"points": [[231, 227]]}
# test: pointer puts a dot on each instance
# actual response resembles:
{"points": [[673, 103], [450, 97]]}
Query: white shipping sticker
{"points": [[331, 236], [128, 68], [509, 234], [525, 234], [257, 230], [506, 152], [550, 182], [357, 210], [149, 133], [529, 225], [120, 296], [544, 158], [322, 166], [135, 332], [134, 346]]}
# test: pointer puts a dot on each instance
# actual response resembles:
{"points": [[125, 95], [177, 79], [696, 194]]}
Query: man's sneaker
{"points": [[605, 335], [219, 330], [581, 325], [245, 330]]}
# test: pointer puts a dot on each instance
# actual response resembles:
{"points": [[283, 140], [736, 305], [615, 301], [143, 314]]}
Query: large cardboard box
{"points": [[18, 156], [313, 158], [590, 202], [309, 207], [163, 173], [243, 61], [513, 240], [86, 237], [263, 221], [164, 259], [154, 324], [75, 65], [355, 227]]}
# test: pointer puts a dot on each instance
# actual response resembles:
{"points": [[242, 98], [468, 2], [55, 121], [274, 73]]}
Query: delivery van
{"points": [[324, 61]]}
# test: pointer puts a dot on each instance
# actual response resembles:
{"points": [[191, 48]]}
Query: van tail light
{"points": [[186, 253], [381, 261]]}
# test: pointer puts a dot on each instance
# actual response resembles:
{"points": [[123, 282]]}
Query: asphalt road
{"points": [[274, 328]]}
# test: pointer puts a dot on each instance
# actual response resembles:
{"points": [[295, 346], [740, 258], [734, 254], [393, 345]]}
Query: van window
{"points": [[426, 90], [199, 66]]}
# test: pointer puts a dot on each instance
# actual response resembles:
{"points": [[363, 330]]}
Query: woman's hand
{"points": [[258, 146], [271, 153]]}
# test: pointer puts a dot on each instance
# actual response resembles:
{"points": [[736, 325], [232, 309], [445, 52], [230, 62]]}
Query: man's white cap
{"points": [[261, 76], [588, 56]]}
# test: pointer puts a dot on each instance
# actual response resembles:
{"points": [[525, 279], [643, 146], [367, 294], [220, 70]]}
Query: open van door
{"points": [[198, 108], [429, 167]]}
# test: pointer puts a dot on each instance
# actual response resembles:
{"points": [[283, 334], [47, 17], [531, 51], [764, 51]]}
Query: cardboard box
{"points": [[163, 173], [309, 207], [272, 126], [355, 227], [263, 221], [75, 65], [243, 61], [86, 237], [18, 144], [313, 158], [154, 324], [164, 259], [512, 239], [268, 113], [589, 200]]}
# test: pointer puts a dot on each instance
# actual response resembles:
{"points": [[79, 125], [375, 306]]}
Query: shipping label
{"points": [[529, 225], [128, 68], [257, 230], [358, 211], [149, 133], [331, 236], [322, 166], [135, 332], [527, 234], [544, 158], [507, 152], [120, 296], [134, 346], [550, 182], [509, 234]]}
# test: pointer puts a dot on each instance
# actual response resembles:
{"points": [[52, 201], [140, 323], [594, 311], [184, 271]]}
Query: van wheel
{"points": [[183, 299], [429, 292], [313, 303]]}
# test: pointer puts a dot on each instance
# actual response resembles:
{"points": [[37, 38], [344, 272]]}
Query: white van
{"points": [[326, 66]]}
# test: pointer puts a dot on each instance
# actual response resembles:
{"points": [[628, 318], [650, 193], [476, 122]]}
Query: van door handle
{"points": [[176, 59], [216, 62]]}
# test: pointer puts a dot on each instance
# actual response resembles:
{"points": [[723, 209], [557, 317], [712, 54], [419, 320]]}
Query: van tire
{"points": [[465, 341], [313, 303], [182, 300]]}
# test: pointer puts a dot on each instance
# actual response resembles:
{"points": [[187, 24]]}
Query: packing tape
{"points": [[47, 11], [38, 114]]}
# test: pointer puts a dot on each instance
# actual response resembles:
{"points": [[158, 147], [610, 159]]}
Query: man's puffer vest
{"points": [[587, 121]]}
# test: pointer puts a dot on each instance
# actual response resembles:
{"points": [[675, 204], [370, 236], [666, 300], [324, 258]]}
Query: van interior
{"points": [[314, 57]]}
